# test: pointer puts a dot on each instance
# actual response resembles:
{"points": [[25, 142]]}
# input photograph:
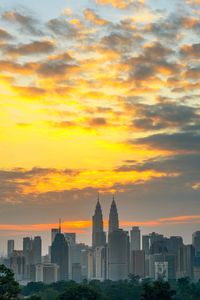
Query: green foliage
{"points": [[131, 289], [9, 288], [33, 288], [34, 297], [158, 290], [49, 294], [80, 292]]}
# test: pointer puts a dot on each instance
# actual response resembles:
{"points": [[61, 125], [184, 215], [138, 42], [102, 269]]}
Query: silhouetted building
{"points": [[60, 256], [161, 270], [185, 261], [146, 244], [98, 235], [47, 273], [118, 255], [113, 217], [196, 242], [76, 272], [17, 264], [37, 250], [135, 238], [100, 263], [70, 237], [137, 265], [54, 231], [10, 247]]}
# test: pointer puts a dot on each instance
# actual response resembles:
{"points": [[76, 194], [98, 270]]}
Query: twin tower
{"points": [[98, 234]]}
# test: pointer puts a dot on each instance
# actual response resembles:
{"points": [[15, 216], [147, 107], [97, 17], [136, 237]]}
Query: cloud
{"points": [[163, 115], [4, 35], [33, 48], [61, 27], [175, 141], [92, 17], [99, 121], [27, 23], [120, 4], [190, 51]]}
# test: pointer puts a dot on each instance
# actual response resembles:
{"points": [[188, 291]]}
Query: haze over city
{"points": [[99, 97]]}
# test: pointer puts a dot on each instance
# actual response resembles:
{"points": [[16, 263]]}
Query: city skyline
{"points": [[114, 255], [99, 96], [85, 228]]}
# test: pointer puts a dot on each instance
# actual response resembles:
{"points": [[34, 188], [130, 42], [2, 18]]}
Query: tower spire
{"points": [[59, 225], [113, 217], [98, 235]]}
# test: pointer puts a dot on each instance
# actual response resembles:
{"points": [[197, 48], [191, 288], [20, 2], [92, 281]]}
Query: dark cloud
{"points": [[60, 27], [163, 115], [179, 141], [27, 23], [56, 68], [193, 73], [97, 121], [190, 51], [4, 35], [118, 42], [33, 48]]}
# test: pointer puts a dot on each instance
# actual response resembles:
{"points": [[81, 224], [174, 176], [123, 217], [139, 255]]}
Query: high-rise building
{"points": [[137, 266], [196, 242], [47, 273], [54, 231], [118, 255], [174, 243], [60, 256], [17, 264], [32, 250], [100, 263], [185, 261], [155, 237], [146, 244], [76, 272], [10, 247], [98, 235], [91, 264], [70, 237], [161, 270], [75, 256], [113, 217], [135, 238], [28, 255], [37, 250]]}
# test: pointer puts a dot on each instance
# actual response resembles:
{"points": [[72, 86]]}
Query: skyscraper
{"points": [[10, 247], [113, 217], [37, 250], [118, 255], [137, 266], [98, 235], [135, 239], [60, 256], [196, 242], [54, 231], [185, 265]]}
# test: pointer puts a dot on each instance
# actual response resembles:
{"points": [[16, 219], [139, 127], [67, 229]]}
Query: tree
{"points": [[9, 288], [157, 290], [34, 297], [80, 292]]}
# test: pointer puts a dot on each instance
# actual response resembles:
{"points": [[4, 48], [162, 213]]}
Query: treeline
{"points": [[131, 289]]}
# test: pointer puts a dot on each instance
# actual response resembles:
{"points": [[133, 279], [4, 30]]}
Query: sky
{"points": [[99, 96]]}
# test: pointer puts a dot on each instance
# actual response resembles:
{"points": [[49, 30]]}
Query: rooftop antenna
{"points": [[59, 225]]}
